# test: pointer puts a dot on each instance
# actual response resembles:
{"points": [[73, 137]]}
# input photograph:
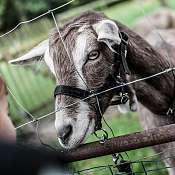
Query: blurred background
{"points": [[33, 85]]}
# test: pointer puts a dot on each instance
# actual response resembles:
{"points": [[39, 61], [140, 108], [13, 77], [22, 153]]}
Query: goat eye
{"points": [[93, 55]]}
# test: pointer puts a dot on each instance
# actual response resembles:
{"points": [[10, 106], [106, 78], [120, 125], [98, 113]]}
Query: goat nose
{"points": [[64, 132]]}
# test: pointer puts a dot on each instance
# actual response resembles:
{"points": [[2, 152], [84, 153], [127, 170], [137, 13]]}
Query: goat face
{"points": [[88, 52]]}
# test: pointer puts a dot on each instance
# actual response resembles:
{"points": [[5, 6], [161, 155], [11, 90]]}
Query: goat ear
{"points": [[33, 55], [107, 32]]}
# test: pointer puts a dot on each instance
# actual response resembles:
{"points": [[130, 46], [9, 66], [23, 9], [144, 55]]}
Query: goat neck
{"points": [[143, 60]]}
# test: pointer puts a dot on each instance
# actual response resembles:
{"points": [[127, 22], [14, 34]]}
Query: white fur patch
{"points": [[82, 126], [171, 171], [61, 118], [124, 108], [48, 60], [79, 57]]}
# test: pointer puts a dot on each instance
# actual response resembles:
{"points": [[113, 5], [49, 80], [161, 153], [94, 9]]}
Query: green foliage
{"points": [[33, 8], [9, 15], [81, 2], [129, 12], [1, 6], [11, 12]]}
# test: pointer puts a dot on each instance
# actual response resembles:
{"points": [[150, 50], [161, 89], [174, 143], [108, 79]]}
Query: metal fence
{"points": [[111, 146], [122, 168], [148, 165]]}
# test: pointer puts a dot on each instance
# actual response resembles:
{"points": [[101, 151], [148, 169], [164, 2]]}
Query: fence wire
{"points": [[94, 95], [144, 169], [36, 118], [153, 165], [36, 18], [107, 169]]}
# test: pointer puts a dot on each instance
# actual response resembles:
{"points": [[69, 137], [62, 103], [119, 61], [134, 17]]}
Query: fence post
{"points": [[123, 143]]}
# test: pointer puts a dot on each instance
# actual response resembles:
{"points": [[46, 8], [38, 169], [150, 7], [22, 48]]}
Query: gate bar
{"points": [[123, 143]]}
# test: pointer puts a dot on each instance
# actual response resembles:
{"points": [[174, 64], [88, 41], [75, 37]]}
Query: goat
{"points": [[7, 130], [89, 39]]}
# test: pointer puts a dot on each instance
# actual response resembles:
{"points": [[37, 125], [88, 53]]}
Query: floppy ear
{"points": [[33, 55], [107, 32]]}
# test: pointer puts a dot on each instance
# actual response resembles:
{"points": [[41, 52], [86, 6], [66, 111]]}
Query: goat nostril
{"points": [[68, 132], [65, 133]]}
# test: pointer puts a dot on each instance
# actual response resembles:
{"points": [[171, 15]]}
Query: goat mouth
{"points": [[65, 140], [71, 141]]}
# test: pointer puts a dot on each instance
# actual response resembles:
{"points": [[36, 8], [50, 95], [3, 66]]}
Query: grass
{"points": [[129, 12]]}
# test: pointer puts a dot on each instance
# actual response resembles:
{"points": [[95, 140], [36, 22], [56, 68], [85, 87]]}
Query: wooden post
{"points": [[123, 143]]}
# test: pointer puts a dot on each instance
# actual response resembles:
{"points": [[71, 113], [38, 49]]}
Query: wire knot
{"points": [[103, 137]]}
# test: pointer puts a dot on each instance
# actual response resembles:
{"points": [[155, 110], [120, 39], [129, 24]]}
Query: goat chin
{"points": [[124, 108]]}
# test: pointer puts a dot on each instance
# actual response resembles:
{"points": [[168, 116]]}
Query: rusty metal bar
{"points": [[123, 143]]}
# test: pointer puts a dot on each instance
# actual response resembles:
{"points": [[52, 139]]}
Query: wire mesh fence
{"points": [[154, 164], [145, 166]]}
